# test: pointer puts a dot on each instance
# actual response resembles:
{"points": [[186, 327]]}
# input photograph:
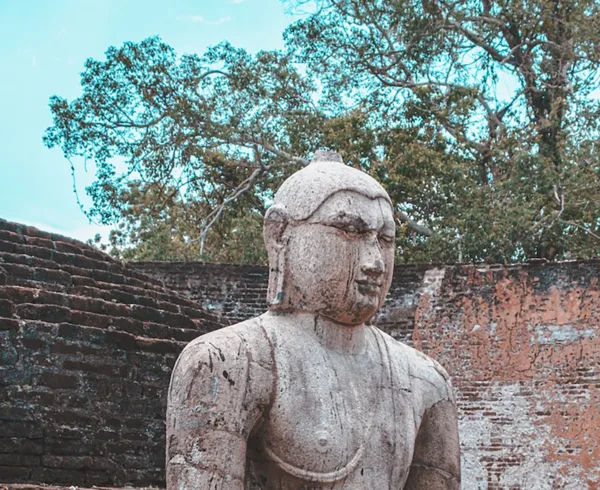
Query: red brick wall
{"points": [[521, 343]]}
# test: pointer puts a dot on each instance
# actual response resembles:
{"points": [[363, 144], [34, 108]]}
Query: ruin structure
{"points": [[86, 349], [87, 345]]}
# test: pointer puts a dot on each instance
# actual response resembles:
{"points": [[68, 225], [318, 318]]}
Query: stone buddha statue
{"points": [[309, 395]]}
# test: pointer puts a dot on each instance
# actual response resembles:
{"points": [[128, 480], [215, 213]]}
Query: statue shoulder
{"points": [[243, 342], [221, 389], [231, 368], [426, 375]]}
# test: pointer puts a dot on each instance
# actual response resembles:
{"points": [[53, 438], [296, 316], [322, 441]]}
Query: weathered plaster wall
{"points": [[522, 344]]}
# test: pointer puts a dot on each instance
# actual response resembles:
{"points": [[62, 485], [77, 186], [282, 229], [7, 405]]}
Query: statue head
{"points": [[330, 239]]}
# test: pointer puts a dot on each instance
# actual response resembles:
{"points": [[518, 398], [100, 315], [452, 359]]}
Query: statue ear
{"points": [[276, 221]]}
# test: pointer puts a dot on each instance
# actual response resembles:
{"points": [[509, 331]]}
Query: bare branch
{"points": [[76, 192], [213, 72], [216, 213], [582, 228], [251, 142], [480, 42], [421, 229]]}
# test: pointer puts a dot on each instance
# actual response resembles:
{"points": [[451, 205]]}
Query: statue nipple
{"points": [[322, 437]]}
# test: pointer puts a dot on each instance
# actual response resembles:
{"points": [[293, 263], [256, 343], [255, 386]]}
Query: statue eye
{"points": [[347, 229], [351, 228], [388, 240]]}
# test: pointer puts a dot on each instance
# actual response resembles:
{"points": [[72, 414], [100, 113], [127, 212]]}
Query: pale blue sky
{"points": [[43, 45]]}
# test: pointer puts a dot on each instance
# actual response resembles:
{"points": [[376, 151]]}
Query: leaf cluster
{"points": [[480, 119]]}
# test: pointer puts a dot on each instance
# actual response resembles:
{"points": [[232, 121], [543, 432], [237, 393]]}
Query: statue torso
{"points": [[337, 419]]}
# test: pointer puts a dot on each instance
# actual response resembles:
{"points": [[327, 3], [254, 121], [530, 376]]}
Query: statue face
{"points": [[340, 260]]}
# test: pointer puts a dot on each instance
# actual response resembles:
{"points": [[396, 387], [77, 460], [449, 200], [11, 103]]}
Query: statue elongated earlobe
{"points": [[276, 295], [276, 244]]}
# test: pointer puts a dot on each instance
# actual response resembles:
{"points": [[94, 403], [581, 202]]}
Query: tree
{"points": [[176, 140], [479, 118], [506, 87]]}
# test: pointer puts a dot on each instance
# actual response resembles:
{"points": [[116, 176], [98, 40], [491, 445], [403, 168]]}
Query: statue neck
{"points": [[347, 339]]}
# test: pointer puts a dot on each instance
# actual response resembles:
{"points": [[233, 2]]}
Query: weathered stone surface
{"points": [[18, 486], [308, 395]]}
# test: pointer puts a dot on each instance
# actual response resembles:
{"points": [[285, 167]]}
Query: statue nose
{"points": [[372, 262], [373, 268]]}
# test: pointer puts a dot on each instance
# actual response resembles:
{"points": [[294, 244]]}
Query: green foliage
{"points": [[174, 138], [498, 97], [480, 118]]}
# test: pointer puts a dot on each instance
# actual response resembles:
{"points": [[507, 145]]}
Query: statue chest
{"points": [[336, 418]]}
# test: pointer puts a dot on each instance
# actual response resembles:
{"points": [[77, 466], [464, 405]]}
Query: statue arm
{"points": [[436, 459], [217, 396]]}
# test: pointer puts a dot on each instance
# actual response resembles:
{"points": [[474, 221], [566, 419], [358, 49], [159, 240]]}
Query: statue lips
{"points": [[368, 287]]}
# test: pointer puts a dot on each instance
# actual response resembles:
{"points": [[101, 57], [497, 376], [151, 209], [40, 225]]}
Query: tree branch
{"points": [[251, 142], [215, 214], [421, 229], [582, 228]]}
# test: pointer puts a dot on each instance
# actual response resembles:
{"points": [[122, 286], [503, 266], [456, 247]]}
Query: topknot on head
{"points": [[327, 156], [303, 192]]}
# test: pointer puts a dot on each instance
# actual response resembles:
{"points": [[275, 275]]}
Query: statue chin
{"points": [[352, 316], [350, 307]]}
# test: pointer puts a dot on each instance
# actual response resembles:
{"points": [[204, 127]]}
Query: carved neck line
{"points": [[337, 337], [347, 339]]}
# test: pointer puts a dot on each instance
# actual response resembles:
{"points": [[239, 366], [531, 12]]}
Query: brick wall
{"points": [[521, 342], [233, 293], [87, 345], [86, 350]]}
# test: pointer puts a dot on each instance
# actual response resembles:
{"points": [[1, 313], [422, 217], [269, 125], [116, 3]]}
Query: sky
{"points": [[43, 46]]}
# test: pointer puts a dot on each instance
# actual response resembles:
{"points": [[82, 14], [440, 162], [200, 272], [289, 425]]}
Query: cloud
{"points": [[202, 20], [222, 20]]}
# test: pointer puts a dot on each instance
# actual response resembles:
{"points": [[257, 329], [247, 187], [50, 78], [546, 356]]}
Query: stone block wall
{"points": [[522, 344]]}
